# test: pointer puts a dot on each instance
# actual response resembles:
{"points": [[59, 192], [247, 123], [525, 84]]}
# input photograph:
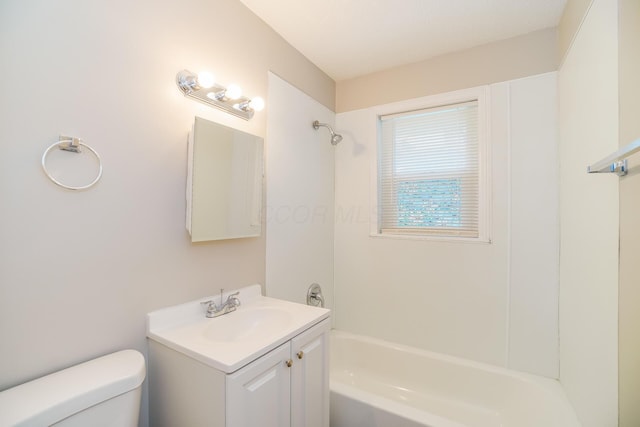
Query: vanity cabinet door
{"points": [[310, 377], [260, 393]]}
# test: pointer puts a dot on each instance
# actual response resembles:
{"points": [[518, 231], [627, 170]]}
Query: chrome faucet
{"points": [[231, 304]]}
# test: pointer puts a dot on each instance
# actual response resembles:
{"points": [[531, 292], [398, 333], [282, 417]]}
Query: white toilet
{"points": [[104, 392]]}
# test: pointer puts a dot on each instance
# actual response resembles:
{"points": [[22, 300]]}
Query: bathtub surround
{"points": [[588, 115], [79, 270], [600, 314], [300, 196], [480, 301], [485, 318]]}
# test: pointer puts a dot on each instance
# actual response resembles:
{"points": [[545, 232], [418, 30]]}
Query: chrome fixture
{"points": [[314, 296], [231, 304], [335, 137], [616, 162], [203, 88], [72, 145]]}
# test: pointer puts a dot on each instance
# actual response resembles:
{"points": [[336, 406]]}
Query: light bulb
{"points": [[205, 80], [233, 92], [257, 104]]}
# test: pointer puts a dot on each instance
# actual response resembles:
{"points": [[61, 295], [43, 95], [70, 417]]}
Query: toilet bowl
{"points": [[103, 392]]}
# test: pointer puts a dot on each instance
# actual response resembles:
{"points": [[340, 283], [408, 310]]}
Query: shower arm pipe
{"points": [[317, 124]]}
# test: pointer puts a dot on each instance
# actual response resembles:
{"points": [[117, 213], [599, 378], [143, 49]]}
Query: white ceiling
{"points": [[349, 38]]}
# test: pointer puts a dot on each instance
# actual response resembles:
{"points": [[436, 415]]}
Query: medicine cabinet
{"points": [[224, 182]]}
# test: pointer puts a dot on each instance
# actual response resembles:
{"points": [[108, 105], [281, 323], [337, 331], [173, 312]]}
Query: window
{"points": [[431, 172]]}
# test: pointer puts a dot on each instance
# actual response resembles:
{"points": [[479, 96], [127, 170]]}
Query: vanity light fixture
{"points": [[203, 88]]}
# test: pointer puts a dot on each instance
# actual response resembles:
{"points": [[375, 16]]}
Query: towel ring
{"points": [[73, 145]]}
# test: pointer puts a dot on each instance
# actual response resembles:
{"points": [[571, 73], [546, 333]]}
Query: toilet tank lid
{"points": [[57, 396]]}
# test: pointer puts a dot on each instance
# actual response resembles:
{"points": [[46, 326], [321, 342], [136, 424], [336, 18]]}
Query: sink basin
{"points": [[247, 324], [230, 341]]}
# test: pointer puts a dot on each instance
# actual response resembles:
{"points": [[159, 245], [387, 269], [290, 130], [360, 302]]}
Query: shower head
{"points": [[335, 137]]}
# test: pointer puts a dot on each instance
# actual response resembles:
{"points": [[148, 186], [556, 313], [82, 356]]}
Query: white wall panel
{"points": [[534, 225], [457, 298], [300, 164], [588, 116]]}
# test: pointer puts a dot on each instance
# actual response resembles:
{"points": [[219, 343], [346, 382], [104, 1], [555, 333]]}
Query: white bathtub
{"points": [[379, 384]]}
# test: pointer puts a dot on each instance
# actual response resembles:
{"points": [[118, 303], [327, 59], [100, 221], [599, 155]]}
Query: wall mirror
{"points": [[224, 183]]}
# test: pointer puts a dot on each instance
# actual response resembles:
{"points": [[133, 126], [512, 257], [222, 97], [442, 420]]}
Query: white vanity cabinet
{"points": [[260, 393], [264, 364], [310, 377], [286, 387]]}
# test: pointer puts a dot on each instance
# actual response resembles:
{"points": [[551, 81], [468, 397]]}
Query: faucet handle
{"points": [[233, 298], [208, 304]]}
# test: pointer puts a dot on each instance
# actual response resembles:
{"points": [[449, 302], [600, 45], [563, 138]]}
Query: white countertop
{"points": [[230, 341]]}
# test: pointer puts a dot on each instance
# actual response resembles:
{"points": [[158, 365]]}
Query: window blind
{"points": [[429, 171]]}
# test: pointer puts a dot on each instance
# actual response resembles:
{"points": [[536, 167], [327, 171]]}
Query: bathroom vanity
{"points": [[265, 364]]}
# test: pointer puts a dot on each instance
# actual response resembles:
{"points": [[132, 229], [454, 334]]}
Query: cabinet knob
{"points": [[300, 354], [289, 363]]}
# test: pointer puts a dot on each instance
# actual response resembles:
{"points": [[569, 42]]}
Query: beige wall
{"points": [[588, 117], [79, 270], [570, 22], [527, 55], [629, 299]]}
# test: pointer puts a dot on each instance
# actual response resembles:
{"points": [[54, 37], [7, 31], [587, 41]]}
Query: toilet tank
{"points": [[103, 392]]}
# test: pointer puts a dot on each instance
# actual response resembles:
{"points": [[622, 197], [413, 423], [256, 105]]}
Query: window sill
{"points": [[444, 239]]}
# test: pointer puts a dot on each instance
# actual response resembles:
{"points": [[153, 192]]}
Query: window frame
{"points": [[479, 94]]}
